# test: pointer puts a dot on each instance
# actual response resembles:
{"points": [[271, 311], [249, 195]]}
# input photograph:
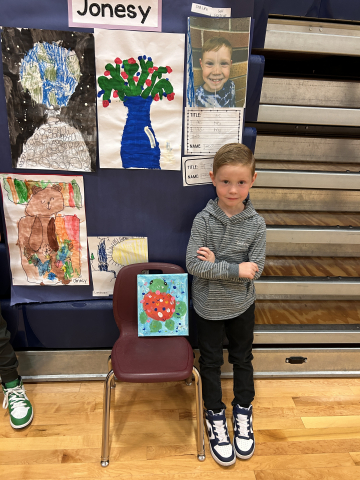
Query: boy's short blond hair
{"points": [[234, 154], [215, 43]]}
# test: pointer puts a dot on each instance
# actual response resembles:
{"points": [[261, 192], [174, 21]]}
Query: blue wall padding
{"points": [[174, 14], [249, 138], [2, 223], [261, 13], [5, 281], [334, 9], [89, 324], [254, 84], [303, 8], [338, 9]]}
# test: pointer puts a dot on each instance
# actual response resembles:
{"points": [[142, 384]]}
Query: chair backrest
{"points": [[125, 293]]}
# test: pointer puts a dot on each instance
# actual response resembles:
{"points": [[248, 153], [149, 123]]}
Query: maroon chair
{"points": [[146, 359]]}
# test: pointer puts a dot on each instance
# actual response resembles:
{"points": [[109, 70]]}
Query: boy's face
{"points": [[216, 68], [232, 183]]}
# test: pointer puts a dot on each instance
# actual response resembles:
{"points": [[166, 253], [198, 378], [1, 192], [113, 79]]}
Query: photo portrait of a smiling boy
{"points": [[218, 53]]}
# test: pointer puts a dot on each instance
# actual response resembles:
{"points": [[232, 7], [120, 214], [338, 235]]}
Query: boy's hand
{"points": [[206, 254], [248, 270]]}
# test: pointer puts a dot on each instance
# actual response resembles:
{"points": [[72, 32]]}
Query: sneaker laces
{"points": [[15, 396], [220, 431], [243, 424]]}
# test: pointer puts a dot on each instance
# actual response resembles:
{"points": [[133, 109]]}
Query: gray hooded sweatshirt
{"points": [[217, 291]]}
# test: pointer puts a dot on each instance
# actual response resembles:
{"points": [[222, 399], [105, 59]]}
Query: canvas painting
{"points": [[217, 62], [49, 79], [140, 99], [46, 229], [163, 305], [109, 254]]}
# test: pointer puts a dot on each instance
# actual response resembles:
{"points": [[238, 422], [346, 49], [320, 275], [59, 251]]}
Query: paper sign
{"points": [[208, 129], [144, 15], [196, 170], [210, 11]]}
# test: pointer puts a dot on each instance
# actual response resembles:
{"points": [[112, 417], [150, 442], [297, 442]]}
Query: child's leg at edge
{"points": [[8, 360]]}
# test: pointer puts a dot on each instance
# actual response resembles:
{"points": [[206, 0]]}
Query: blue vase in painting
{"points": [[139, 147]]}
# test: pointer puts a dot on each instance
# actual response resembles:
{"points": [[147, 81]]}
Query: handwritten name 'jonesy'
{"points": [[120, 10]]}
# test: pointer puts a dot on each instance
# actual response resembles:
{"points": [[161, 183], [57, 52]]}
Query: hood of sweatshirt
{"points": [[213, 209]]}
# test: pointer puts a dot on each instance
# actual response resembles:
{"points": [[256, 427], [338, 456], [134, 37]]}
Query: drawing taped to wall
{"points": [[140, 85], [163, 305], [108, 255], [46, 229], [49, 81]]}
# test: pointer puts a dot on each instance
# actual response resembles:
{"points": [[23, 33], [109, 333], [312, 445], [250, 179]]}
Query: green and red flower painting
{"points": [[163, 305], [140, 86]]}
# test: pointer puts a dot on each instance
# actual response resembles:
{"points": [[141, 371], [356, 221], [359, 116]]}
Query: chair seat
{"points": [[152, 359]]}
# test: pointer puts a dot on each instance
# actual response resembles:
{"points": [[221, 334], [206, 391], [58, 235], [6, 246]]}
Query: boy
{"points": [[15, 399], [226, 252], [215, 62]]}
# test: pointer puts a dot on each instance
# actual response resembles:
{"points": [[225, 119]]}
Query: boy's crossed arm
{"points": [[201, 261], [246, 269]]}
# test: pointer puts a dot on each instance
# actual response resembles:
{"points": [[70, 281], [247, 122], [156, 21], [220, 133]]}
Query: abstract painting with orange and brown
{"points": [[46, 229]]}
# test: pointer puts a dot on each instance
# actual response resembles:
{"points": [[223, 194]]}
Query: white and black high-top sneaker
{"points": [[221, 448], [244, 441]]}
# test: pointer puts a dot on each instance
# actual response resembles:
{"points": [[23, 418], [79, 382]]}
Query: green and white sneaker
{"points": [[15, 399]]}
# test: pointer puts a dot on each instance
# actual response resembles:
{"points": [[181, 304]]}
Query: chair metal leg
{"points": [[199, 416], [106, 420], [113, 383]]}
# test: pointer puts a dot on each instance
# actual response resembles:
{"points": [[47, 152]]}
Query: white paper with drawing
{"points": [[49, 79], [46, 229], [140, 99], [108, 255]]}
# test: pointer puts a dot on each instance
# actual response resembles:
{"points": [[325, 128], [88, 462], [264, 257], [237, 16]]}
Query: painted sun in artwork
{"points": [[126, 251]]}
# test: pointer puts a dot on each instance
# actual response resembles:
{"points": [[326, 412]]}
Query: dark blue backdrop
{"points": [[130, 202], [332, 9]]}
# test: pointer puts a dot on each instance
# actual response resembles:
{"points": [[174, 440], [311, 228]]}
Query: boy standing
{"points": [[215, 62], [226, 252]]}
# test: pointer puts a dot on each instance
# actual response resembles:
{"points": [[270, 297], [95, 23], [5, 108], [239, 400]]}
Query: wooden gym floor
{"points": [[304, 429]]}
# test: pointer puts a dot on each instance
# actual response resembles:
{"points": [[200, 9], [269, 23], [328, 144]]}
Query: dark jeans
{"points": [[8, 360], [240, 333]]}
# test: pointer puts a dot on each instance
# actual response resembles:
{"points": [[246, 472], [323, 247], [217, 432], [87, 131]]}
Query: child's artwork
{"points": [[49, 79], [46, 229], [163, 305], [109, 254], [140, 99], [217, 62]]}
